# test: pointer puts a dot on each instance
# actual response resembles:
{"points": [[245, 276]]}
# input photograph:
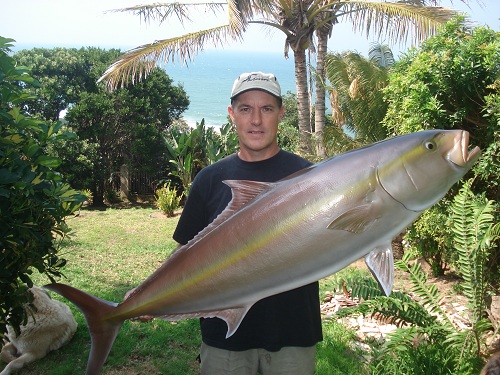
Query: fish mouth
{"points": [[460, 154]]}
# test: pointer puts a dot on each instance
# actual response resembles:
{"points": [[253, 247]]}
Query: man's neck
{"points": [[254, 156]]}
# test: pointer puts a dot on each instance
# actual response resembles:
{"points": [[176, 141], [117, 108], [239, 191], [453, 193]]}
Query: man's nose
{"points": [[256, 118]]}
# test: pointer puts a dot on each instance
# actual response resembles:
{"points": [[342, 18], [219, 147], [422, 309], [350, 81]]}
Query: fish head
{"points": [[421, 167]]}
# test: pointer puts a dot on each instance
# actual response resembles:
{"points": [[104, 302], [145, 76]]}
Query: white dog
{"points": [[51, 326]]}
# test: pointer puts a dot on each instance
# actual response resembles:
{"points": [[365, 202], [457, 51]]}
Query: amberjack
{"points": [[274, 237]]}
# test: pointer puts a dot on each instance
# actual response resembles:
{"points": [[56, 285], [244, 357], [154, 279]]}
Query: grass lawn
{"points": [[111, 252]]}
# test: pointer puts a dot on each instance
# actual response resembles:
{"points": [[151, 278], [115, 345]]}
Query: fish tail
{"points": [[103, 329]]}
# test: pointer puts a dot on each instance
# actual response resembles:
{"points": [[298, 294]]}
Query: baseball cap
{"points": [[256, 81]]}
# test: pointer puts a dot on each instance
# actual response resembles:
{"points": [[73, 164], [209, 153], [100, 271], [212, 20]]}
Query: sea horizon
{"points": [[208, 80]]}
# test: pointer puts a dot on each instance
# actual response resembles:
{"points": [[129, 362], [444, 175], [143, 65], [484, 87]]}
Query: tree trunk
{"points": [[302, 100], [320, 110], [98, 195]]}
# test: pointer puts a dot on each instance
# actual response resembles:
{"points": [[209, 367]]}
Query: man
{"points": [[279, 333]]}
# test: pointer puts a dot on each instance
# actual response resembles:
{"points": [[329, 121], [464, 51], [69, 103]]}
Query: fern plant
{"points": [[398, 309], [424, 321], [475, 235]]}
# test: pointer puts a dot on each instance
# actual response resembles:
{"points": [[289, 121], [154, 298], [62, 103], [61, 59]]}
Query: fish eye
{"points": [[430, 145]]}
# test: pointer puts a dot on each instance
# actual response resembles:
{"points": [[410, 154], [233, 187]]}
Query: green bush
{"points": [[167, 200], [34, 199], [111, 196], [88, 195]]}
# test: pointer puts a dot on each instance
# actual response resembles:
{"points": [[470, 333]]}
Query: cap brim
{"points": [[255, 89]]}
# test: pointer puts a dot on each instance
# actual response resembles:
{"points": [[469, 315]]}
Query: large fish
{"points": [[274, 237]]}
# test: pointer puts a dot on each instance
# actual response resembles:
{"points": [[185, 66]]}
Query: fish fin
{"points": [[233, 318], [103, 331], [381, 264], [356, 220], [244, 191]]}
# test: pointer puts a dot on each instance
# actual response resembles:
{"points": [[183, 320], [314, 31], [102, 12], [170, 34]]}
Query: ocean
{"points": [[208, 80]]}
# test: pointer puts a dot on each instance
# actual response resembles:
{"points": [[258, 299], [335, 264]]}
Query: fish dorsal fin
{"points": [[243, 191], [356, 220], [381, 263]]}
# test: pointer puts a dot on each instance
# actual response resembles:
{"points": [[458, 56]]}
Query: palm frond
{"points": [[381, 54], [136, 64], [363, 288], [358, 99], [160, 12], [396, 21], [467, 342], [397, 309], [410, 337]]}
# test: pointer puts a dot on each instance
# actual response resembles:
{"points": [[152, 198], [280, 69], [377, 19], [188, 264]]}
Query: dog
{"points": [[492, 367], [50, 326]]}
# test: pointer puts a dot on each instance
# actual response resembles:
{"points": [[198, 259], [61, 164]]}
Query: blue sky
{"points": [[76, 23]]}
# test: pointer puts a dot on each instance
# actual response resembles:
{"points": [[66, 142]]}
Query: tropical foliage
{"points": [[34, 199], [426, 333], [356, 91], [189, 150], [452, 81]]}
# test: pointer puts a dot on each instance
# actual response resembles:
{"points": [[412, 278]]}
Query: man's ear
{"points": [[230, 112]]}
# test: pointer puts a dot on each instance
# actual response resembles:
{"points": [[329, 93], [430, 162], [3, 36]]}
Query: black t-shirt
{"points": [[291, 318]]}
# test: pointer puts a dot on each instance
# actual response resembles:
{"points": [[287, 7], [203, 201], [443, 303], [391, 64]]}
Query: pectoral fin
{"points": [[356, 220], [381, 263]]}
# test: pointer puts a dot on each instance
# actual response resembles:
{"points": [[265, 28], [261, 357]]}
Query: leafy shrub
{"points": [[111, 196], [88, 195], [167, 200], [432, 239], [34, 200]]}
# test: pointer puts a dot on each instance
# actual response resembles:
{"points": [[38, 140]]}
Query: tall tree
{"points": [[64, 73], [356, 91], [124, 126], [297, 19]]}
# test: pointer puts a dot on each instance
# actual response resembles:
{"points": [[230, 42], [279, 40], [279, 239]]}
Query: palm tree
{"points": [[297, 19], [324, 32], [356, 93]]}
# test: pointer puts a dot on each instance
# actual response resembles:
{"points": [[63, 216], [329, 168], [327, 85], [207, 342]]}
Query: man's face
{"points": [[256, 115]]}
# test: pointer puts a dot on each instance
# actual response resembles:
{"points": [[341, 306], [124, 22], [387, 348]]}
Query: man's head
{"points": [[256, 110], [266, 82]]}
